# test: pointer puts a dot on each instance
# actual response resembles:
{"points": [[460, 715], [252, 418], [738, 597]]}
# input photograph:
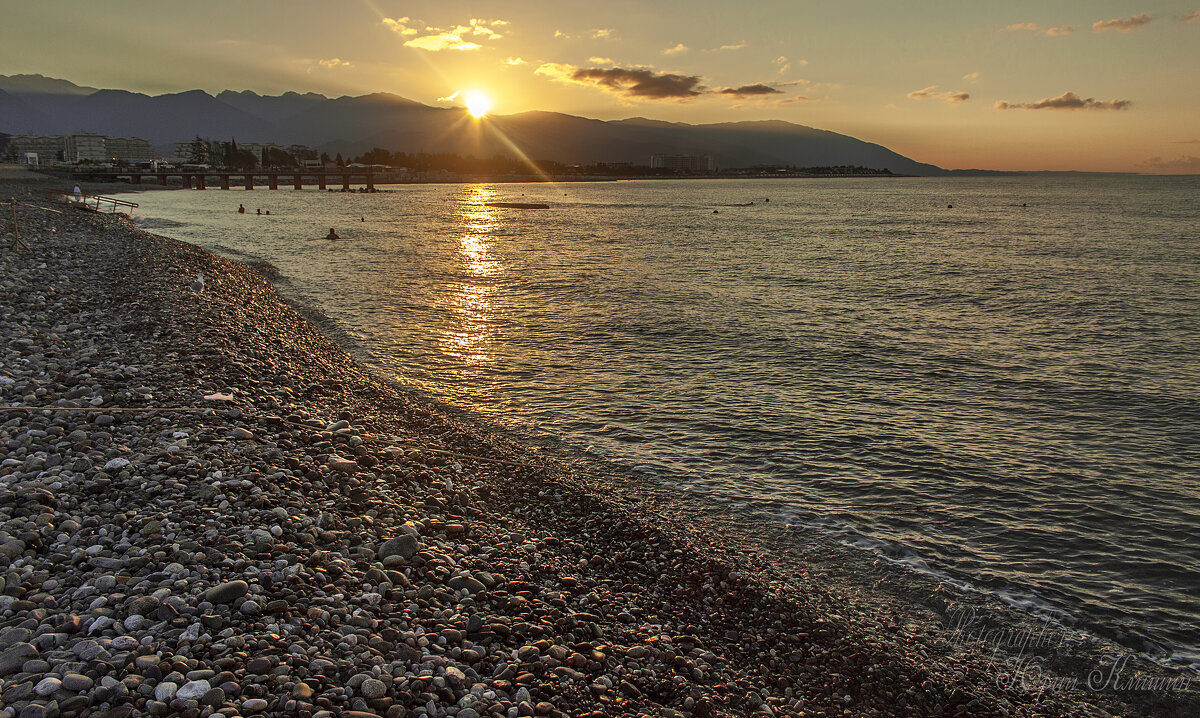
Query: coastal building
{"points": [[258, 147], [302, 152], [179, 153], [45, 148], [84, 147], [132, 149], [683, 163]]}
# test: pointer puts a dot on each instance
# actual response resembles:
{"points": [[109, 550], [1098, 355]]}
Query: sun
{"points": [[477, 103]]}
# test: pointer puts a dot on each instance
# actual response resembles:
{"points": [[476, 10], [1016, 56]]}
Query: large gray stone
{"points": [[165, 691], [193, 690], [372, 688], [346, 466], [405, 546], [13, 657], [226, 592], [472, 585]]}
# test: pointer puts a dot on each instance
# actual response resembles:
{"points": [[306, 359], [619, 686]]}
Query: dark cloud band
{"points": [[755, 90], [641, 83], [1066, 101]]}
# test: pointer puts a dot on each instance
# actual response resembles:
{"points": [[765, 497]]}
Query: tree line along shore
{"points": [[208, 508]]}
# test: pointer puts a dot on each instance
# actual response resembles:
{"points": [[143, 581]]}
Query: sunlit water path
{"points": [[1006, 392]]}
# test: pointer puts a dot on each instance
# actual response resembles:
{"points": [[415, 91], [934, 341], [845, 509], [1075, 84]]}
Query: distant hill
{"points": [[41, 85], [352, 125]]}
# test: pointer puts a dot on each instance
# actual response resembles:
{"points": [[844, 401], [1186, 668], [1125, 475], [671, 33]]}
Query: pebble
{"points": [[338, 463], [227, 592], [193, 690], [47, 686], [77, 682], [403, 546], [254, 705], [372, 688], [165, 691]]}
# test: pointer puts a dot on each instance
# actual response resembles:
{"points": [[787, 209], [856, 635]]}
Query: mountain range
{"points": [[353, 125]]}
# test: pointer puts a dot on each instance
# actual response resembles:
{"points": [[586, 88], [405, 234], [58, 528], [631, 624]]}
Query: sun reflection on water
{"points": [[471, 333]]}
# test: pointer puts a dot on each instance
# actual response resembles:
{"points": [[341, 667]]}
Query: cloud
{"points": [[449, 98], [561, 34], [931, 93], [738, 46], [1122, 24], [514, 61], [334, 62], [459, 37], [645, 83], [784, 64], [442, 41], [675, 50], [971, 76], [1187, 164], [632, 82], [1193, 16], [601, 60], [602, 32], [755, 90], [1033, 27], [399, 25], [1066, 101]]}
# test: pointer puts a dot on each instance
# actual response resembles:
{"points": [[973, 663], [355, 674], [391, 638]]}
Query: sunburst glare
{"points": [[477, 103]]}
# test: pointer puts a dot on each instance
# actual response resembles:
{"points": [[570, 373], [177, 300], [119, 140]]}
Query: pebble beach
{"points": [[207, 507]]}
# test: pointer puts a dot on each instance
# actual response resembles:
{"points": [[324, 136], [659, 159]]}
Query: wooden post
{"points": [[298, 181], [249, 179], [346, 183], [16, 228], [370, 182], [273, 181], [200, 181], [224, 181], [162, 180], [321, 180]]}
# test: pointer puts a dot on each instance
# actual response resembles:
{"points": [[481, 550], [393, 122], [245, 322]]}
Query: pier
{"points": [[224, 179]]}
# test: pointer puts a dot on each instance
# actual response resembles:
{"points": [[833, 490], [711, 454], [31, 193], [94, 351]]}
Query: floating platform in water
{"points": [[517, 205]]}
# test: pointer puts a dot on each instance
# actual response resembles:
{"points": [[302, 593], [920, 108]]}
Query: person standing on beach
{"points": [[241, 209], [78, 194]]}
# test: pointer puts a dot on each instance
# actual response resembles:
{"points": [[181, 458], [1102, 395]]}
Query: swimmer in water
{"points": [[332, 234]]}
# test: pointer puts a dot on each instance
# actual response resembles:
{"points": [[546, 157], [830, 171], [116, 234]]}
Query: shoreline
{"points": [[535, 579]]}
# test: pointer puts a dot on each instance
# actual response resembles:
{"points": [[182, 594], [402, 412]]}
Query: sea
{"points": [[994, 381]]}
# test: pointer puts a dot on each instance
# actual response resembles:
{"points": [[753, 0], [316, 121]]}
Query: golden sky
{"points": [[1096, 85]]}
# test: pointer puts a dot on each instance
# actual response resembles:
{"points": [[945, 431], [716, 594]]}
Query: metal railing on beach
{"points": [[93, 202]]}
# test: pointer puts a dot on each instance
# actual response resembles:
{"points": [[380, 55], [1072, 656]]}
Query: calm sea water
{"points": [[1006, 392]]}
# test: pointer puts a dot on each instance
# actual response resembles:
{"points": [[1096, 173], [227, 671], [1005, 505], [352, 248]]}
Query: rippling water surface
{"points": [[1006, 392]]}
